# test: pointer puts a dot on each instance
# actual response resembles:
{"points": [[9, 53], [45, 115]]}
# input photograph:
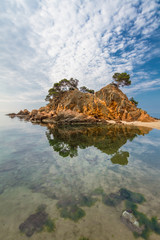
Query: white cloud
{"points": [[144, 86], [45, 41], [148, 141]]}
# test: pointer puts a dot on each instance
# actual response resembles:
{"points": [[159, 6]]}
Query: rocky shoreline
{"points": [[63, 117]]}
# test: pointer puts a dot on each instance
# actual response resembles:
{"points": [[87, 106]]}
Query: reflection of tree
{"points": [[120, 157], [63, 148], [108, 139]]}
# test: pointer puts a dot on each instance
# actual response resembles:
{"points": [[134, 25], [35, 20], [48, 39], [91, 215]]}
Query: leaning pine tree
{"points": [[122, 79]]}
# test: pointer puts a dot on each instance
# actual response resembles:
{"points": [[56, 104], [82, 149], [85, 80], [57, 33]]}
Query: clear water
{"points": [[61, 165]]}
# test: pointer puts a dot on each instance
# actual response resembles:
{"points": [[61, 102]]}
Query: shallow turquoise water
{"points": [[61, 165]]}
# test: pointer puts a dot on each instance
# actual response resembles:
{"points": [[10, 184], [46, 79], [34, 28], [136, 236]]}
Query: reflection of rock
{"points": [[131, 222], [108, 139]]}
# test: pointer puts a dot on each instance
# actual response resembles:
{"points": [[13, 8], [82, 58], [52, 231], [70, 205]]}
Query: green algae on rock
{"points": [[70, 206], [49, 225], [136, 221], [131, 196], [114, 199], [87, 201], [72, 212]]}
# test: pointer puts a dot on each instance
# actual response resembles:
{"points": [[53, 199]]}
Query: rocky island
{"points": [[74, 106], [70, 105]]}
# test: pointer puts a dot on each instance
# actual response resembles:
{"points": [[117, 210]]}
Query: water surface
{"points": [[72, 168]]}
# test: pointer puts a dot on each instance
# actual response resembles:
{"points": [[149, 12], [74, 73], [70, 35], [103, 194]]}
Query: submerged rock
{"points": [[131, 196], [34, 223], [69, 209], [131, 222], [113, 199], [74, 213]]}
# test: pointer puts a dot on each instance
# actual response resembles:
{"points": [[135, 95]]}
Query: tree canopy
{"points": [[63, 86], [85, 90], [122, 79], [60, 87]]}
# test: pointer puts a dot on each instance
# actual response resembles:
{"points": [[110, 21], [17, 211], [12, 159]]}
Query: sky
{"points": [[44, 41]]}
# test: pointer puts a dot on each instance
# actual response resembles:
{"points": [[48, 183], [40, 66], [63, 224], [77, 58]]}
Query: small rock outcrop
{"points": [[131, 222], [74, 106]]}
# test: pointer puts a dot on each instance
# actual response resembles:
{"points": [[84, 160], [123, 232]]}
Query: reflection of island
{"points": [[109, 139]]}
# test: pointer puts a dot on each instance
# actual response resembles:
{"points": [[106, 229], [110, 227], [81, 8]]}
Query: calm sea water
{"points": [[69, 172]]}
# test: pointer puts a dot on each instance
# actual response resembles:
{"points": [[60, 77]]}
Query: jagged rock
{"points": [[69, 116], [119, 107], [33, 112], [110, 103], [23, 112]]}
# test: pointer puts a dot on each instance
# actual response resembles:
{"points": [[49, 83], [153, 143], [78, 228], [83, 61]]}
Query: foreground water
{"points": [[69, 172]]}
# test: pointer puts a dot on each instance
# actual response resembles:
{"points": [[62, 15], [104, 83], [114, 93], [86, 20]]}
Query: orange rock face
{"points": [[110, 103]]}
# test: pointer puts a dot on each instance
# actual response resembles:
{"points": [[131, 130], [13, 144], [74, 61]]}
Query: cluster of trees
{"points": [[120, 79], [63, 86], [60, 87], [85, 90]]}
